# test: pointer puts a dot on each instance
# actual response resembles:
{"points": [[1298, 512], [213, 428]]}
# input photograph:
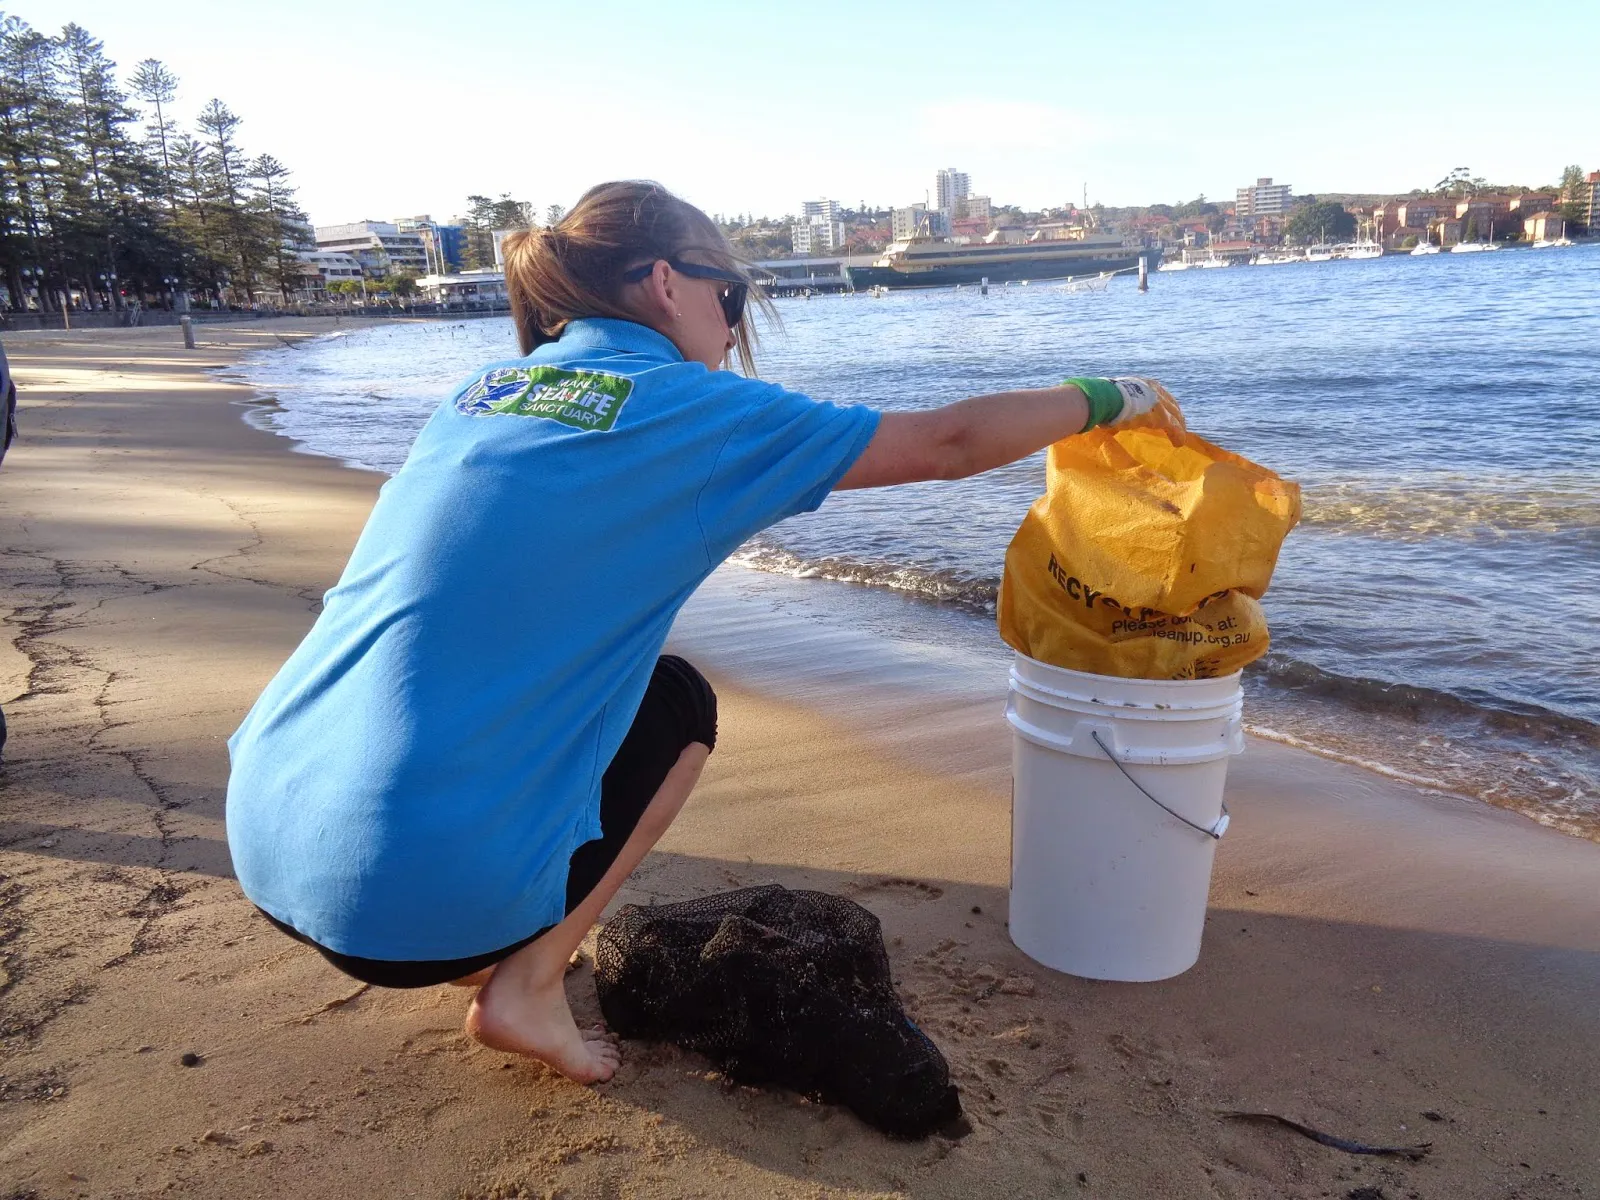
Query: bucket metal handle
{"points": [[1215, 831]]}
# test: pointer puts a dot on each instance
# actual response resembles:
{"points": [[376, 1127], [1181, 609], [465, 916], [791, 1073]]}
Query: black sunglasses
{"points": [[732, 299]]}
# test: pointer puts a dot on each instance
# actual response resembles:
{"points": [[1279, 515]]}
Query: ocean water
{"points": [[1436, 615]]}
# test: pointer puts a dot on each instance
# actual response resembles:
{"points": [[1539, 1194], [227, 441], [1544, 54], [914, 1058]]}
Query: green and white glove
{"points": [[1114, 401]]}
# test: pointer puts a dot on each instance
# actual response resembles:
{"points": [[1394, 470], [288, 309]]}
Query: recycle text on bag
{"points": [[1147, 555]]}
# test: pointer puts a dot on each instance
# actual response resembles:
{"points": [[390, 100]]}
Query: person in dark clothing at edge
{"points": [[479, 739], [8, 433]]}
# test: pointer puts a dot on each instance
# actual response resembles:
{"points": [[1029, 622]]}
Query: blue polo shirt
{"points": [[413, 782]]}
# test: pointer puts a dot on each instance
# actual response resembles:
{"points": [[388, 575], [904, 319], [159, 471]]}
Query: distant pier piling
{"points": [[188, 331], [983, 286], [1144, 273]]}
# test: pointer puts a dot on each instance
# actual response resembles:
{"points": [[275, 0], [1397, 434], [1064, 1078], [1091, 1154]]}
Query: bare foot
{"points": [[511, 1015]]}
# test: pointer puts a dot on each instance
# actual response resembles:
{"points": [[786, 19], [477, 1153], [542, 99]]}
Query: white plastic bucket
{"points": [[1116, 810]]}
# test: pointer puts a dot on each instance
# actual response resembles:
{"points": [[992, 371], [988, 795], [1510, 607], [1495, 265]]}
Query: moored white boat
{"points": [[1551, 243], [1477, 247], [1425, 248], [1319, 253]]}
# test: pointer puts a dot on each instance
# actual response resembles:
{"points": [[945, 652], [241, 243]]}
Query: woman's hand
{"points": [[1115, 401]]}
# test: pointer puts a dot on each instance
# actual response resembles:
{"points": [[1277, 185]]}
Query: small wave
{"points": [[1523, 720], [1432, 783], [1455, 506], [972, 592], [1568, 810]]}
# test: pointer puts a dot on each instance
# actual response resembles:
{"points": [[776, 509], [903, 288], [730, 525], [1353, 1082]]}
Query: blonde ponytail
{"points": [[573, 268]]}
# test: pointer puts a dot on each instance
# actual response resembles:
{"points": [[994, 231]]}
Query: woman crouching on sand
{"points": [[479, 739]]}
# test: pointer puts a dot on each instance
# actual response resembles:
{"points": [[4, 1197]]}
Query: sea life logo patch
{"points": [[587, 400]]}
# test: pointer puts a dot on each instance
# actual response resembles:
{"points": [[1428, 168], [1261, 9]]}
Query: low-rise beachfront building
{"points": [[317, 269], [468, 289], [379, 246]]}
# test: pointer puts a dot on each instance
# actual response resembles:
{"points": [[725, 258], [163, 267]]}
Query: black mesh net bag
{"points": [[777, 986]]}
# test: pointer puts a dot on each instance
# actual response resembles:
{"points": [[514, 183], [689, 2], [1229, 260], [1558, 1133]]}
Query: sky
{"points": [[399, 108]]}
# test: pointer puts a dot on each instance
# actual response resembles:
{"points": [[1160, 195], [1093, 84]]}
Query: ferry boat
{"points": [[926, 263]]}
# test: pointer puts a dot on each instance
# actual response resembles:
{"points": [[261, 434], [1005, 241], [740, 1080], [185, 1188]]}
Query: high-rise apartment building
{"points": [[821, 210], [950, 188], [1589, 194], [820, 230], [1265, 199]]}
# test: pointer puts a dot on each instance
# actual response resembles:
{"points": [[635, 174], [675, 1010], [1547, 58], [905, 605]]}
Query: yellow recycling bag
{"points": [[1147, 554]]}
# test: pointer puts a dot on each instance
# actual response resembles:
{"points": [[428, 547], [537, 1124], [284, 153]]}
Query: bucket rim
{"points": [[1174, 698]]}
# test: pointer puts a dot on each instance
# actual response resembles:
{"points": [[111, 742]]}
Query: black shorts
{"points": [[679, 708]]}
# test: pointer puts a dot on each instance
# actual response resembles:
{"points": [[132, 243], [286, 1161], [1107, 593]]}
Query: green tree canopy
{"points": [[1319, 221], [484, 216], [1198, 207], [1572, 205], [92, 205]]}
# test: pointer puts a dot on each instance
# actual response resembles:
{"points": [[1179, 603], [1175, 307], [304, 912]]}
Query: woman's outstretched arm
{"points": [[976, 435]]}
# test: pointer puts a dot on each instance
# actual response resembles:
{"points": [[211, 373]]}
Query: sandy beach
{"points": [[1380, 963]]}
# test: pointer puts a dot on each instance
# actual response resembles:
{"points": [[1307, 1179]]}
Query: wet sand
{"points": [[1380, 963]]}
